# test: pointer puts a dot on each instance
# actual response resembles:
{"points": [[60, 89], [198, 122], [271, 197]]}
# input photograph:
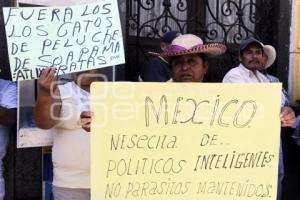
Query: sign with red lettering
{"points": [[71, 38]]}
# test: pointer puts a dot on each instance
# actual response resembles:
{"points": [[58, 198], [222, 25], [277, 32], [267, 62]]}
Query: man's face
{"points": [[188, 68], [252, 57]]}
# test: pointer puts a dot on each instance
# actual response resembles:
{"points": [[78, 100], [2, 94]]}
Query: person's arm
{"points": [[48, 104], [7, 116]]}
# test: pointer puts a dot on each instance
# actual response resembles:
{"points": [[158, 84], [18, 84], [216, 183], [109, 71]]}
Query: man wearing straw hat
{"points": [[187, 56], [255, 57], [249, 71]]}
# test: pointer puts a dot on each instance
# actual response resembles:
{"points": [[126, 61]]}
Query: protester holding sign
{"points": [[252, 59], [8, 104], [187, 56], [58, 107]]}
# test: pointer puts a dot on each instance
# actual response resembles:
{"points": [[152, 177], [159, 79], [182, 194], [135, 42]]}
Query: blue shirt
{"points": [[8, 96], [156, 70]]}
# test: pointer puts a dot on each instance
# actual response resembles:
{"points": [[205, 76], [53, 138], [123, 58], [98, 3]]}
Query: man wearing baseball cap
{"points": [[252, 53], [157, 69]]}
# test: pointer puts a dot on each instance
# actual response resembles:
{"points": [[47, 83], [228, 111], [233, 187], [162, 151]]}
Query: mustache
{"points": [[254, 61]]}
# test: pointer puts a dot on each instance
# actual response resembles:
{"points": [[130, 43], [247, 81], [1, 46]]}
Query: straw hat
{"points": [[192, 44], [271, 53]]}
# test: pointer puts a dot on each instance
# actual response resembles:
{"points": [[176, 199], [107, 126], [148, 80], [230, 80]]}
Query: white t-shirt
{"points": [[71, 144], [241, 74]]}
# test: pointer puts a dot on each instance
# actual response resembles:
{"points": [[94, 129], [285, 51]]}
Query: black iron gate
{"points": [[22, 167], [226, 21], [4, 66]]}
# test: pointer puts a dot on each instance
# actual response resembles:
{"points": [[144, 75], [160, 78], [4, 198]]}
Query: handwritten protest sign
{"points": [[74, 38], [56, 2], [185, 141]]}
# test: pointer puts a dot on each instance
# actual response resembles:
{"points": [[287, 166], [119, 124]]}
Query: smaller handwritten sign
{"points": [[185, 141], [74, 38]]}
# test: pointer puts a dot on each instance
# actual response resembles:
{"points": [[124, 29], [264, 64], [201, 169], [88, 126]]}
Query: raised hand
{"points": [[48, 80]]}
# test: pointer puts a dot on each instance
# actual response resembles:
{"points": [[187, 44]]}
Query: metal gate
{"points": [[226, 21]]}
